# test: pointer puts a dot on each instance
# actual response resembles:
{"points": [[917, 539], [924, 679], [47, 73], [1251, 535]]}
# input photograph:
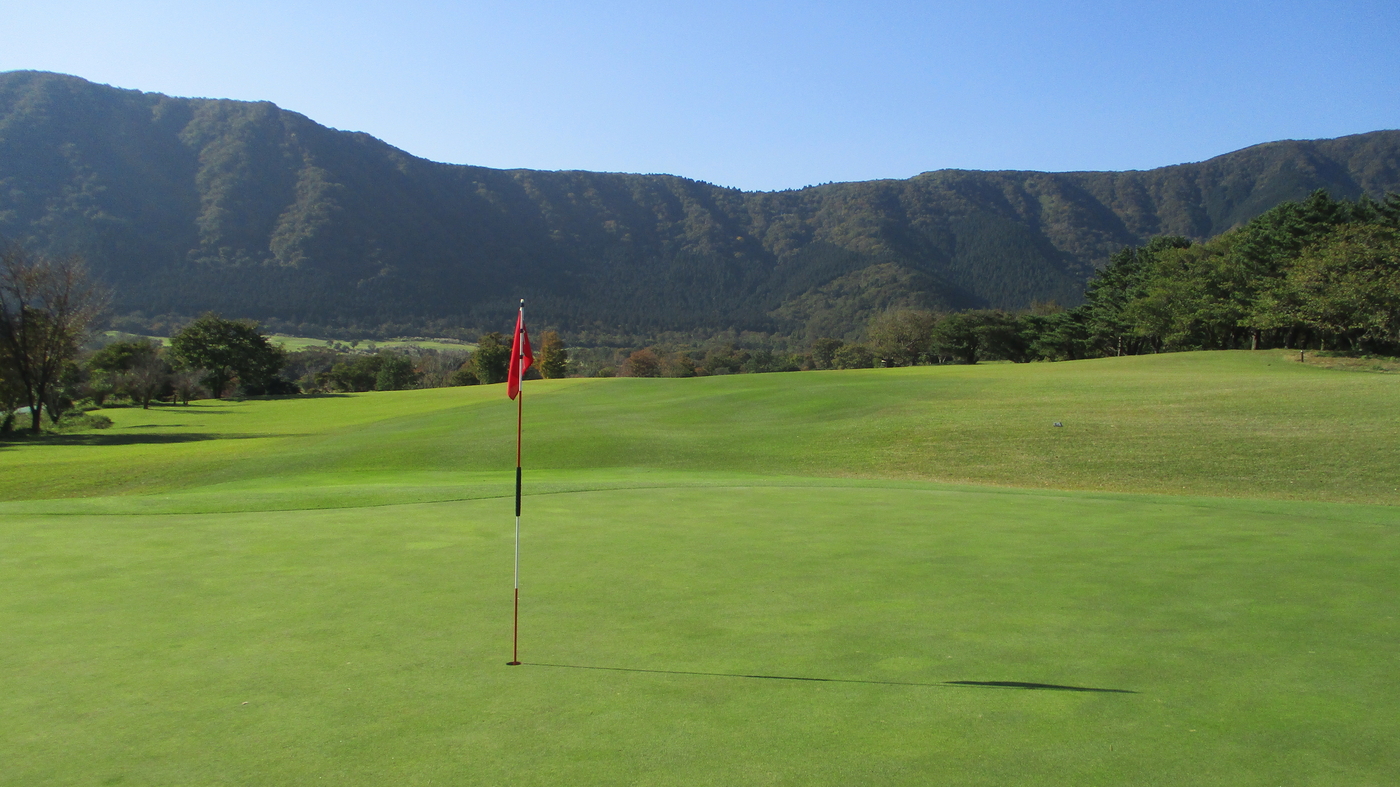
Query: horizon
{"points": [[688, 177], [767, 97]]}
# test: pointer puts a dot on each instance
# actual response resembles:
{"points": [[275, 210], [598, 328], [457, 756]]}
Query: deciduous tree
{"points": [[903, 337], [853, 356], [1348, 285], [228, 350], [146, 378], [47, 308], [552, 356], [642, 363]]}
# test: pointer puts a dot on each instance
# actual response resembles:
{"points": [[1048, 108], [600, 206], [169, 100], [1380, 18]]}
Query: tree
{"points": [[642, 363], [1005, 336], [1062, 336], [1348, 285], [186, 385], [678, 364], [853, 356], [395, 373], [114, 369], [118, 356], [724, 359], [491, 361], [1113, 289], [47, 308], [11, 393], [961, 336], [229, 350], [465, 375], [902, 338], [357, 374], [824, 351], [435, 368], [146, 378], [70, 386], [552, 357]]}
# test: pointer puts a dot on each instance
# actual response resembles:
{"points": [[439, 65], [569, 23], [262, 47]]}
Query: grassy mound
{"points": [[1233, 424]]}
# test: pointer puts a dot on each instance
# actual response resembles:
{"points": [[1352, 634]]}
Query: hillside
{"points": [[193, 204]]}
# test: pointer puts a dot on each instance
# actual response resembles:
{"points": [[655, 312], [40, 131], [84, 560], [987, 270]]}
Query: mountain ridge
{"points": [[253, 210]]}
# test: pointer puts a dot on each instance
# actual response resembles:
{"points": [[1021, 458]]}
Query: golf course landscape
{"points": [[1173, 569]]}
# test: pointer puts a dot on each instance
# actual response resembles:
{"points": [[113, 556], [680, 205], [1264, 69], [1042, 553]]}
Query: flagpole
{"points": [[515, 634], [519, 421]]}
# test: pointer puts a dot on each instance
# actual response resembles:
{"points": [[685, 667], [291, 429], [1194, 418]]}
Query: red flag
{"points": [[520, 355]]}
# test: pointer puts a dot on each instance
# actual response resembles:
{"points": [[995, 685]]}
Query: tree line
{"points": [[330, 369], [49, 308], [1322, 274], [1318, 274]]}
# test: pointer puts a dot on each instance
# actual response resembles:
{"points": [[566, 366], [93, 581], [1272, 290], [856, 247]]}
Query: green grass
{"points": [[343, 566], [294, 343], [1226, 424]]}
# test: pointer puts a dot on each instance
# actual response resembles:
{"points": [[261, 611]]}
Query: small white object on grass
{"points": [[1057, 423]]}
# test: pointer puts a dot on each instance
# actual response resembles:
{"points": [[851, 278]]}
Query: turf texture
{"points": [[774, 579]]}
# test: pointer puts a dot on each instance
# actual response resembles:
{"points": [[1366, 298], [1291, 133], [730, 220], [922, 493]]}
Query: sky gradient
{"points": [[759, 95]]}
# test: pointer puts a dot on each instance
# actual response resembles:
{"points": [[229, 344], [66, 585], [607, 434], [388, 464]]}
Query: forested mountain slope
{"points": [[186, 205]]}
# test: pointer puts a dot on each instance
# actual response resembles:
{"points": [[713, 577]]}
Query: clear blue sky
{"points": [[759, 95]]}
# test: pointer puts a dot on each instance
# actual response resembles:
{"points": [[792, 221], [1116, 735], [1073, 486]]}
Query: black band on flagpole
{"points": [[517, 491]]}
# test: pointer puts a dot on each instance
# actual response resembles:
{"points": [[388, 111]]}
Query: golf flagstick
{"points": [[520, 359], [515, 629]]}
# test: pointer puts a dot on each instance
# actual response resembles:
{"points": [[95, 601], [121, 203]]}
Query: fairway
{"points": [[881, 577]]}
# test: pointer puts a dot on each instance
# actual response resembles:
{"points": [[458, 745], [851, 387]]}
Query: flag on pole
{"points": [[520, 360], [520, 355]]}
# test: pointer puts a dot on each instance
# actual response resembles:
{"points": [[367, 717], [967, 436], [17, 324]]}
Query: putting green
{"points": [[730, 580], [1257, 640]]}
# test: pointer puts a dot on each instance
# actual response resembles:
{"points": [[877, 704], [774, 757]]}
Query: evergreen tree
{"points": [[491, 361], [1111, 329]]}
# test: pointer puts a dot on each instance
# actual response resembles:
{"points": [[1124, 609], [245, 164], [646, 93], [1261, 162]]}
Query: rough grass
{"points": [[319, 590]]}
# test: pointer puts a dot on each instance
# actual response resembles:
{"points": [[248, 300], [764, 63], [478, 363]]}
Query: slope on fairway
{"points": [[366, 645], [1232, 424]]}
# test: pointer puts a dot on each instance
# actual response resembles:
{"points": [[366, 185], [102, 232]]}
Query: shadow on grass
{"points": [[106, 439], [167, 407], [995, 684], [1016, 684]]}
